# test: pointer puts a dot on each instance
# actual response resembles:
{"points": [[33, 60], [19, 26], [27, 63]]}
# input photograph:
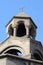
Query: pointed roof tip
{"points": [[22, 14]]}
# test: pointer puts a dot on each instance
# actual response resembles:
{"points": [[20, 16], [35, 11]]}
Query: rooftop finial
{"points": [[21, 9]]}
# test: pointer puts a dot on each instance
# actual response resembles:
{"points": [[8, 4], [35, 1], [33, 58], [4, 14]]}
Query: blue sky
{"points": [[9, 8]]}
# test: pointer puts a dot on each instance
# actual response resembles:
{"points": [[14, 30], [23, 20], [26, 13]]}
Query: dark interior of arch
{"points": [[37, 56], [31, 32], [14, 52], [11, 31], [21, 31]]}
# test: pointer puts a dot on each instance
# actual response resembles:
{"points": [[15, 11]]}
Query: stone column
{"points": [[27, 31], [14, 31]]}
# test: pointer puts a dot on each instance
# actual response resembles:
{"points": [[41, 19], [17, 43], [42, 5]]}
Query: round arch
{"points": [[21, 30], [13, 48], [14, 52], [37, 55]]}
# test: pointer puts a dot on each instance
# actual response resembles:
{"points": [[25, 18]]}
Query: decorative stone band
{"points": [[21, 58]]}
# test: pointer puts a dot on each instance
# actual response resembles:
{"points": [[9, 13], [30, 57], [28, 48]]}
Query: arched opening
{"points": [[32, 32], [21, 31], [14, 52], [11, 30], [37, 56]]}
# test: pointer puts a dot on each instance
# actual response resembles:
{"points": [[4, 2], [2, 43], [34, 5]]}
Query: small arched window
{"points": [[14, 52], [37, 56], [21, 30], [11, 30]]}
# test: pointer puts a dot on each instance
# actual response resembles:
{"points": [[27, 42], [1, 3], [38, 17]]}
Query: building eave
{"points": [[17, 17], [20, 58]]}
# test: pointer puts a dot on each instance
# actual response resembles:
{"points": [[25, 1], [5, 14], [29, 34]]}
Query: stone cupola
{"points": [[21, 25]]}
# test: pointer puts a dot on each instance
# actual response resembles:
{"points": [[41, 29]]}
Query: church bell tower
{"points": [[22, 28], [21, 42]]}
